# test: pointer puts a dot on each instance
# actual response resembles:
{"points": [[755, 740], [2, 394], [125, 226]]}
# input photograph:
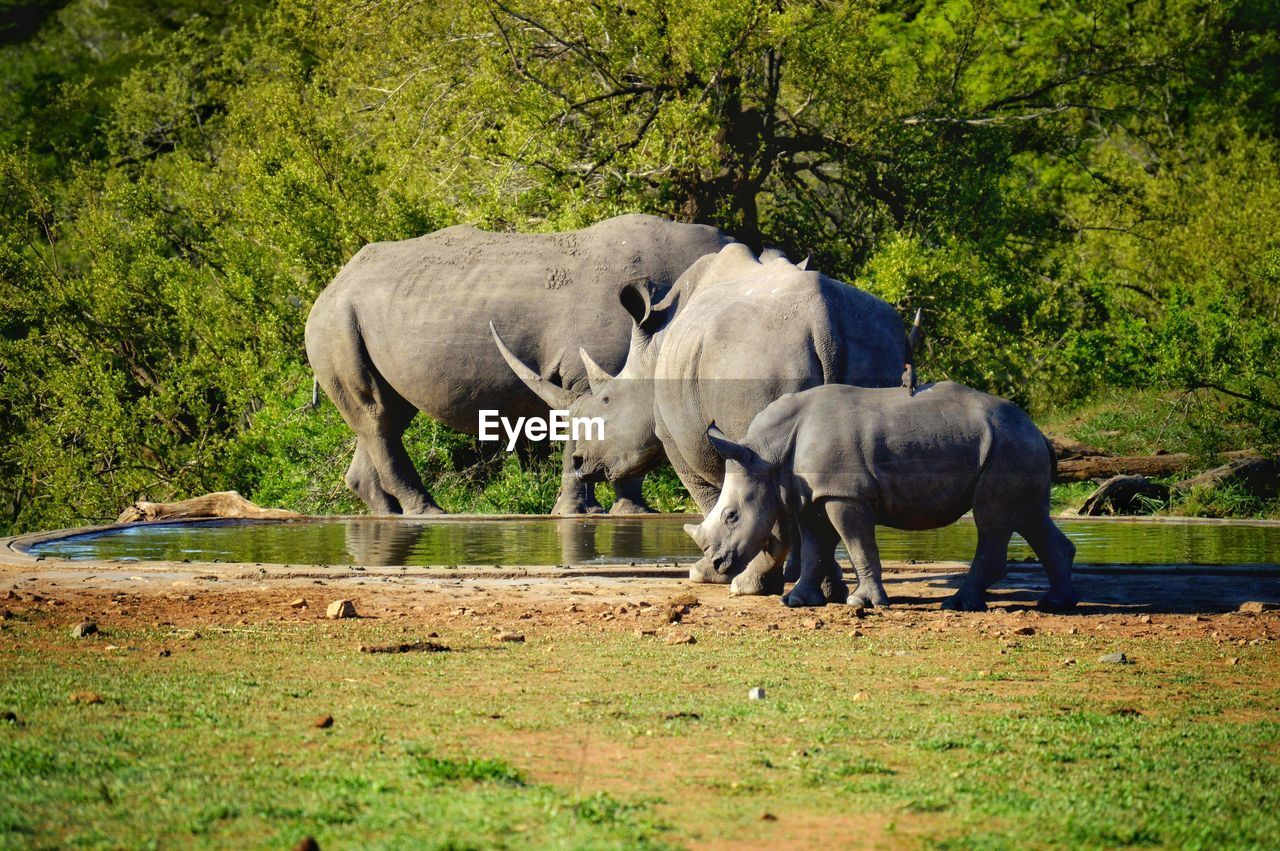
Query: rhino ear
{"points": [[727, 449], [804, 264], [548, 391], [638, 297], [596, 375]]}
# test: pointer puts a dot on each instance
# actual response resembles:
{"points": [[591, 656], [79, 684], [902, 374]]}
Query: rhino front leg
{"points": [[817, 547], [629, 496], [857, 528], [576, 496]]}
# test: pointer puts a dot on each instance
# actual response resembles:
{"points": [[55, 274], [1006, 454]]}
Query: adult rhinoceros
{"points": [[404, 328], [732, 335]]}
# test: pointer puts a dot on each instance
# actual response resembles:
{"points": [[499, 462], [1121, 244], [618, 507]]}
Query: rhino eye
{"points": [[604, 399], [730, 517]]}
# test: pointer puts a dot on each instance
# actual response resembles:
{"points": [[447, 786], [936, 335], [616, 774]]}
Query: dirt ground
{"points": [[1174, 603]]}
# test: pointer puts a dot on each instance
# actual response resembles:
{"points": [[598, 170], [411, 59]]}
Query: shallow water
{"points": [[607, 540]]}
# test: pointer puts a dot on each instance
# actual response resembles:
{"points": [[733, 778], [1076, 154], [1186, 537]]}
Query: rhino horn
{"points": [[548, 391], [693, 530], [916, 335], [595, 372]]}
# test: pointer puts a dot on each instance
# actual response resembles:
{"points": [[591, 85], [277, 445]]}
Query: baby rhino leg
{"points": [[857, 528], [817, 544]]}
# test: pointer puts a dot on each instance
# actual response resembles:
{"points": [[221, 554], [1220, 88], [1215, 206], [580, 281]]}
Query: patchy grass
{"points": [[926, 729]]}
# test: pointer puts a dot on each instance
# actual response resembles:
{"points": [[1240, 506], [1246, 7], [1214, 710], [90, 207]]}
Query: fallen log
{"points": [[227, 504], [1107, 466], [1125, 495]]}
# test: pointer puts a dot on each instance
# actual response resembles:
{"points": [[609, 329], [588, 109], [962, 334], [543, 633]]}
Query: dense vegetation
{"points": [[1084, 195]]}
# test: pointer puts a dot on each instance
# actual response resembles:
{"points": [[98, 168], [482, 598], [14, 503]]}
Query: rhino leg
{"points": [[363, 479], [817, 547], [1056, 553], [630, 496], [576, 496], [705, 495], [762, 578], [989, 566], [396, 473], [857, 529]]}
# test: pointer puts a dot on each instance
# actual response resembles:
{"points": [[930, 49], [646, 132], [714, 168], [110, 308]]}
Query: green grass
{"points": [[586, 740]]}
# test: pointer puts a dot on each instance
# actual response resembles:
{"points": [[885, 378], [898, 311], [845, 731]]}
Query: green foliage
{"points": [[1083, 199]]}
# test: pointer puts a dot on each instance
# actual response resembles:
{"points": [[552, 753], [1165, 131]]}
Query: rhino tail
{"points": [[1053, 460]]}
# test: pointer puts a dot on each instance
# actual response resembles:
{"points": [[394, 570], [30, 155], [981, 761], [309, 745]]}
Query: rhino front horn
{"points": [[694, 531], [548, 391]]}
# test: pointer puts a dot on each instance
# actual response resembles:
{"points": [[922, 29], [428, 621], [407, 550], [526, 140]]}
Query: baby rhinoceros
{"points": [[828, 464]]}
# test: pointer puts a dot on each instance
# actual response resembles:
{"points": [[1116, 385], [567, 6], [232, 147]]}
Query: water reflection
{"points": [[535, 541]]}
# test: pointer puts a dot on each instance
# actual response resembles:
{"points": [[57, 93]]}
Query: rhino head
{"points": [[623, 402], [740, 525]]}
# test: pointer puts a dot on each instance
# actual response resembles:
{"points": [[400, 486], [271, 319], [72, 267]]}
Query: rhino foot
{"points": [[804, 596], [872, 599], [623, 505], [965, 601], [752, 584], [702, 571], [1058, 602], [573, 507], [426, 510], [836, 593]]}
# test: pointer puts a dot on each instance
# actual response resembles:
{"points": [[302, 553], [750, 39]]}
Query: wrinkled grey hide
{"points": [[732, 335], [839, 460], [405, 328]]}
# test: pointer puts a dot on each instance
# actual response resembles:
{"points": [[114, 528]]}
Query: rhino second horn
{"points": [[596, 374], [548, 391]]}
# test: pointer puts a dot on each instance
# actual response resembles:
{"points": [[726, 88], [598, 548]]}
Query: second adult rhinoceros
{"points": [[732, 335], [404, 328]]}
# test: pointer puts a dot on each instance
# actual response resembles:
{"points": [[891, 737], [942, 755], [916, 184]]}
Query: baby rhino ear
{"points": [[727, 449]]}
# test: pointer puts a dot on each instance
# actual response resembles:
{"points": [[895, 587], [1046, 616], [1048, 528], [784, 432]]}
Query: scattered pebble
{"points": [[340, 609], [681, 638], [323, 723], [811, 623], [164, 654], [1253, 607], [84, 628], [86, 697], [1115, 659], [862, 695], [300, 603], [1144, 619], [768, 817], [514, 637], [646, 633], [1026, 630], [756, 693], [1069, 661], [1234, 660]]}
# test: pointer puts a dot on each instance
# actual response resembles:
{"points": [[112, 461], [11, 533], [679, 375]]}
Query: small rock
{"points": [[1253, 607], [1144, 619], [11, 717], [164, 654], [681, 638], [1026, 630], [1234, 660], [859, 611], [323, 723], [857, 633], [1069, 661], [86, 697], [11, 595], [340, 609], [862, 695], [300, 603], [646, 633], [306, 843], [811, 623], [768, 817], [405, 647], [5, 614], [84, 628], [1115, 659], [756, 693], [515, 637], [1073, 631]]}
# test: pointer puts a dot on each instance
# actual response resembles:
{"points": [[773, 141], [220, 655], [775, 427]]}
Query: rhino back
{"points": [[753, 332], [421, 307], [917, 459]]}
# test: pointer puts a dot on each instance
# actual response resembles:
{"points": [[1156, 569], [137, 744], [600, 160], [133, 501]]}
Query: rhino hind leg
{"points": [[990, 562], [363, 479], [1056, 553], [856, 527]]}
